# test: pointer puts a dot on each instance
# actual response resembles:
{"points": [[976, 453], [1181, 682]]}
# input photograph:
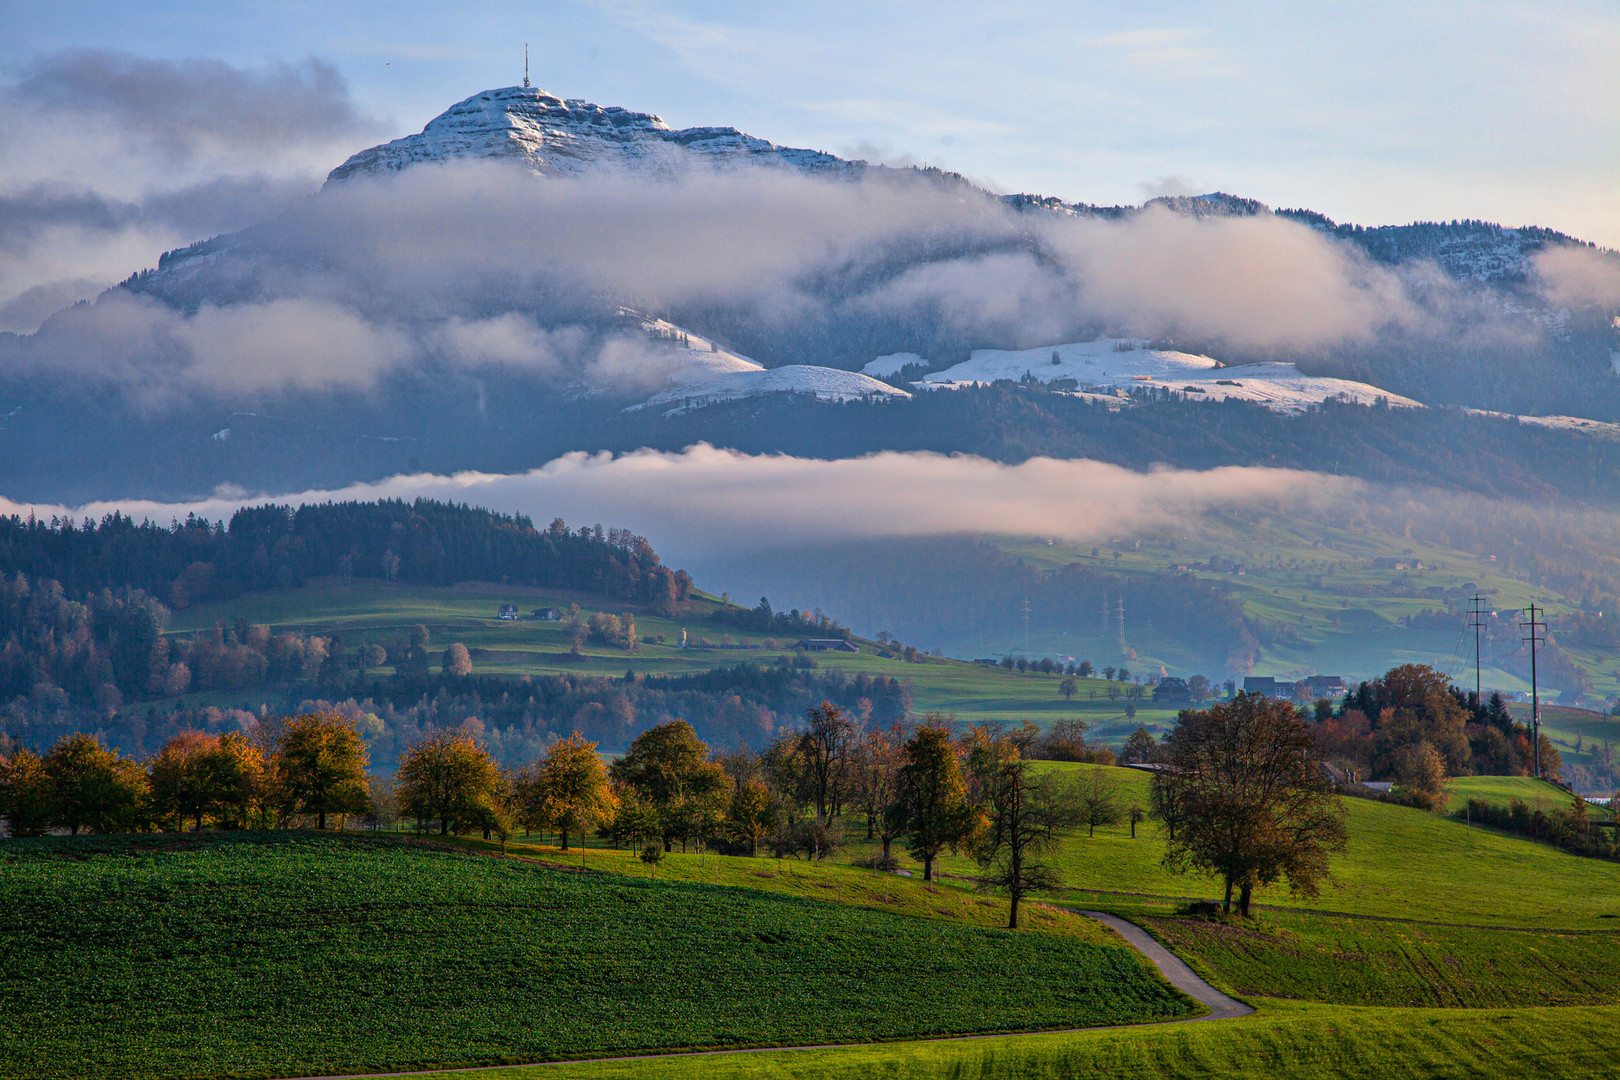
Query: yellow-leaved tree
{"points": [[320, 767], [448, 777], [573, 787]]}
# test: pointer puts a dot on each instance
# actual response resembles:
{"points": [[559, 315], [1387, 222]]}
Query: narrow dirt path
{"points": [[1181, 976], [1170, 965]]}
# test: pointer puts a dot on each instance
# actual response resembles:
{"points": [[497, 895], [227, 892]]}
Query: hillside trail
{"points": [[1181, 976]]}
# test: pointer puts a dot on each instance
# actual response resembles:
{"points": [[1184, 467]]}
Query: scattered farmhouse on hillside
{"points": [[508, 611], [1173, 690], [548, 614], [820, 644]]}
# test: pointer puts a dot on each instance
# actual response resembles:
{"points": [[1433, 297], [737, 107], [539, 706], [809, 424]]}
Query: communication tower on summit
{"points": [[525, 65]]}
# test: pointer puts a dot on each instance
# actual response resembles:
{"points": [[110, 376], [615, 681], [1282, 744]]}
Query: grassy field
{"points": [[1370, 962], [287, 954], [1283, 1041], [1437, 951], [1400, 863], [1501, 790], [375, 611]]}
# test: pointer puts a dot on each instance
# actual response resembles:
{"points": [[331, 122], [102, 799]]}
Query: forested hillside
{"points": [[270, 547]]}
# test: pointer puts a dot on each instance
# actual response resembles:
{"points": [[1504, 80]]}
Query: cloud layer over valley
{"points": [[707, 506]]}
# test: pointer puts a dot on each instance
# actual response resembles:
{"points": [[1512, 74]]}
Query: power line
{"points": [[1535, 694], [1476, 619]]}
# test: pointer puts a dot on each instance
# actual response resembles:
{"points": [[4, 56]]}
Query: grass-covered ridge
{"points": [[292, 954]]}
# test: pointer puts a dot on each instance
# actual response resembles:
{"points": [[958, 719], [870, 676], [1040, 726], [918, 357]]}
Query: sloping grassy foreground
{"points": [[1370, 962], [290, 954], [1283, 1041]]}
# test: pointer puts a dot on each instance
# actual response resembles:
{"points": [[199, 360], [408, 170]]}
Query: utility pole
{"points": [[1535, 693], [1476, 619], [1024, 609]]}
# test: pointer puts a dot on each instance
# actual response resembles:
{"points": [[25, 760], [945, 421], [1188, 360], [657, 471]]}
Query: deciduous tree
{"points": [[573, 786], [446, 776], [668, 766], [1023, 811], [1254, 805], [320, 766], [94, 787], [1099, 799], [751, 815], [27, 796], [933, 796]]}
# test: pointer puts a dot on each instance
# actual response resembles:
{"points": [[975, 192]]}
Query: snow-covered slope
{"points": [[695, 372], [558, 137], [892, 364], [1112, 364]]}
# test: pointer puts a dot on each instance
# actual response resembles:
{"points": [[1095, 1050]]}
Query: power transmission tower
{"points": [[1476, 619], [1024, 609], [1122, 623], [1535, 692]]}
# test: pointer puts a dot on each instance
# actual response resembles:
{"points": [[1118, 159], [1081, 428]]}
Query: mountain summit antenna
{"points": [[525, 65]]}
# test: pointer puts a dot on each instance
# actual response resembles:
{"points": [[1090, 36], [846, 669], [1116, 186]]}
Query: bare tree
{"points": [[1024, 810], [1099, 799], [876, 774], [824, 756]]}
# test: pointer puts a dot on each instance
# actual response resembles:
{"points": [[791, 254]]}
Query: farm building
{"points": [[1173, 690], [508, 611], [818, 644], [548, 614]]}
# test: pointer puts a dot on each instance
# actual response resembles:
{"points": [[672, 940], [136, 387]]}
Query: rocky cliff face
{"points": [[562, 137]]}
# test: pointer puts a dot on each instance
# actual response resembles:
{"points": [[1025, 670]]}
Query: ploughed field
{"points": [[290, 954]]}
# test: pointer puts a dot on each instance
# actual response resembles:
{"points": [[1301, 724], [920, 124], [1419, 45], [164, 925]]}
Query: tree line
{"points": [[279, 547], [1241, 798]]}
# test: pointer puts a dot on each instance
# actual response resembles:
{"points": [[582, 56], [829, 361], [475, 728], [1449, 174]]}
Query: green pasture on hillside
{"points": [[1502, 790], [1400, 863], [367, 610], [287, 953], [1283, 1041]]}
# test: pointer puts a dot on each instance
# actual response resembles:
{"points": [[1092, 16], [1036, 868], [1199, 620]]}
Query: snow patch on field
{"points": [[1111, 364], [1557, 423]]}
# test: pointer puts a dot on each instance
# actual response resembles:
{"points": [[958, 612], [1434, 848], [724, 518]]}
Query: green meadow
{"points": [[1284, 1040], [288, 953]]}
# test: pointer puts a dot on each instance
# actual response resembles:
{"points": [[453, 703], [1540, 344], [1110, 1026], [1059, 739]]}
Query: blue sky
{"points": [[1376, 113]]}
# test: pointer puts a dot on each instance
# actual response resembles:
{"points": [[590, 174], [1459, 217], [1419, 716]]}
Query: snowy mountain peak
{"points": [[561, 137]]}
